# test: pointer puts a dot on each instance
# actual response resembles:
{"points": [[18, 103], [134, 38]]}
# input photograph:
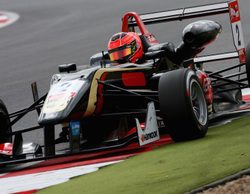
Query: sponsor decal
{"points": [[61, 94], [149, 132], [242, 55], [75, 128], [148, 136], [6, 149], [234, 11]]}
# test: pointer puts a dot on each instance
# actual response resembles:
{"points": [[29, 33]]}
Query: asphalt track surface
{"points": [[53, 32]]}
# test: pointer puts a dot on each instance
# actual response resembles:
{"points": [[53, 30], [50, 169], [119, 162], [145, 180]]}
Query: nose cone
{"points": [[200, 33]]}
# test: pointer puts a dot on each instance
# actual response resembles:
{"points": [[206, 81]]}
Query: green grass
{"points": [[175, 168]]}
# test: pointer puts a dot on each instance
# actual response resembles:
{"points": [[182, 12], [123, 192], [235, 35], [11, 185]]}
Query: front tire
{"points": [[5, 128], [183, 105]]}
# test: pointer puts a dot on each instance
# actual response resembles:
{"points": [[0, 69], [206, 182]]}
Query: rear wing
{"points": [[241, 53], [231, 8], [182, 13]]}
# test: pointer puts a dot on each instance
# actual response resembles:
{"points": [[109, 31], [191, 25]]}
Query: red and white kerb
{"points": [[7, 18], [3, 18]]}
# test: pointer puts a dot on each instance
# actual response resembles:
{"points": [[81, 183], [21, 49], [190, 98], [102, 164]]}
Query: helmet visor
{"points": [[120, 53]]}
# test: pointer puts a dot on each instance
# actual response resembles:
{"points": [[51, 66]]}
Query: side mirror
{"points": [[154, 54], [98, 57]]}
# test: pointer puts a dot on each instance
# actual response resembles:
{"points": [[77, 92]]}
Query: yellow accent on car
{"points": [[94, 86]]}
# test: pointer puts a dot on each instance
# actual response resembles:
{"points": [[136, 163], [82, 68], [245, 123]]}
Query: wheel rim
{"points": [[198, 102]]}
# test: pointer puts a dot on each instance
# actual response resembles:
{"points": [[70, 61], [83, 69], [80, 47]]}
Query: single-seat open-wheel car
{"points": [[169, 92]]}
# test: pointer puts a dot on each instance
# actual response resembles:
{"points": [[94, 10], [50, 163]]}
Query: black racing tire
{"points": [[5, 128], [183, 105], [248, 63]]}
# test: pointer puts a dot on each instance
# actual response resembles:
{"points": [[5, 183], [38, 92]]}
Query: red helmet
{"points": [[125, 47]]}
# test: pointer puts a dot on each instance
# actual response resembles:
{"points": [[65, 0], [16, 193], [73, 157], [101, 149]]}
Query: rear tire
{"points": [[5, 128], [183, 105], [248, 63]]}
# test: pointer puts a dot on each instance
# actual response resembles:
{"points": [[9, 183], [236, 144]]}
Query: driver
{"points": [[125, 47]]}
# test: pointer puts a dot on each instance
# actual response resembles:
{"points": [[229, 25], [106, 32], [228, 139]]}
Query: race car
{"points": [[109, 104]]}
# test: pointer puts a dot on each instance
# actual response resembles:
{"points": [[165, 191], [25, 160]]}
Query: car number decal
{"points": [[234, 14]]}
